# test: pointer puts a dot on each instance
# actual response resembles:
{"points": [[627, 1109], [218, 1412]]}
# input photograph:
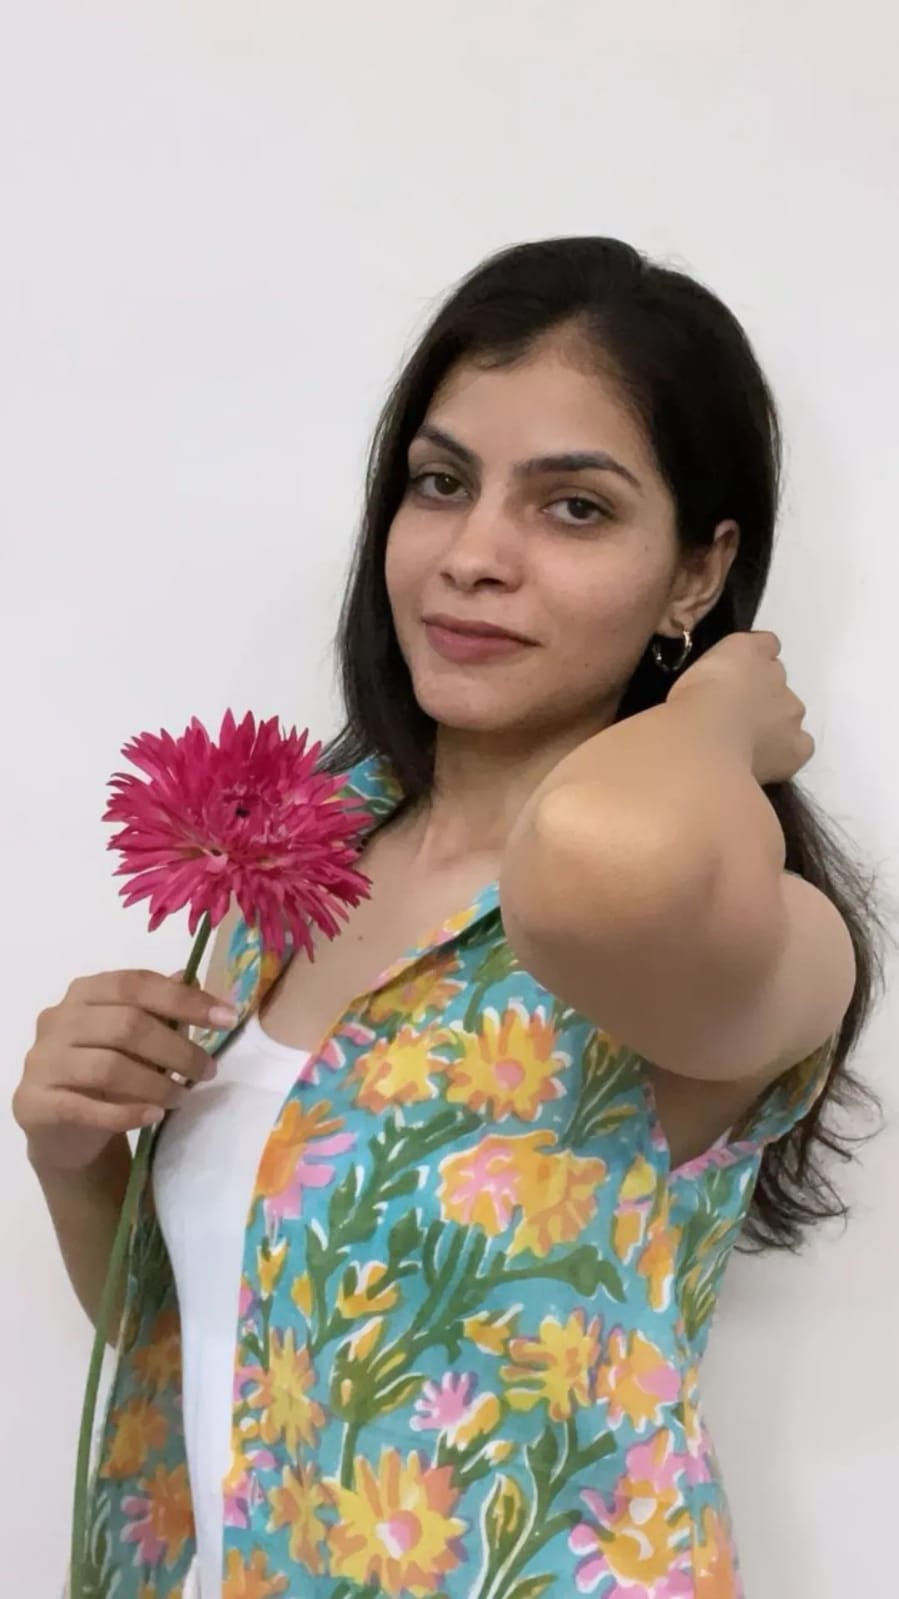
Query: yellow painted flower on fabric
{"points": [[658, 1260], [395, 1526], [364, 1298], [250, 1579], [428, 987], [558, 1366], [457, 923], [639, 1537], [715, 1567], [296, 1504], [636, 1380], [510, 1067], [269, 1265], [301, 1293], [632, 1208], [158, 1362], [558, 1197], [555, 1190], [287, 1409], [399, 1071], [491, 1332], [137, 1428]]}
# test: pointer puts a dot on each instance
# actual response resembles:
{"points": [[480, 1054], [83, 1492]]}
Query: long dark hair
{"points": [[686, 367]]}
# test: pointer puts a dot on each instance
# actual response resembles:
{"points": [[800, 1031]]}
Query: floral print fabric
{"points": [[473, 1304]]}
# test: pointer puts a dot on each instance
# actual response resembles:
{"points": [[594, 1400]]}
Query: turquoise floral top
{"points": [[473, 1305]]}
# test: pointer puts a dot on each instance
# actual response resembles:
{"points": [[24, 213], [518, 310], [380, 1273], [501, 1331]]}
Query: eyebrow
{"points": [[568, 461]]}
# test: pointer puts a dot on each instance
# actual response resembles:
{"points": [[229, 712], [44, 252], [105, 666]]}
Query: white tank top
{"points": [[204, 1172]]}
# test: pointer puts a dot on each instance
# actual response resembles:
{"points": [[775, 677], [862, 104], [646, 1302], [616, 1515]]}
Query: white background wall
{"points": [[222, 225]]}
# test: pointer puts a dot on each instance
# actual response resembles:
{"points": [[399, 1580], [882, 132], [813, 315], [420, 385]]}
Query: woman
{"points": [[494, 1170]]}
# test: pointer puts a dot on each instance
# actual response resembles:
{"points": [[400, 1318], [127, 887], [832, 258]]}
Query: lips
{"points": [[467, 629], [472, 643]]}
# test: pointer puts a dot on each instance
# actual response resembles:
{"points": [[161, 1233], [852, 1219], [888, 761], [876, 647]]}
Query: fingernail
{"points": [[210, 1071], [223, 1015], [152, 1118]]}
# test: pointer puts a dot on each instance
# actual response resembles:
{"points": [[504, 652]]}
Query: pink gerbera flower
{"points": [[248, 817]]}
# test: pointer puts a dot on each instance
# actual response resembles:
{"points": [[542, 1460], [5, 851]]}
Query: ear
{"points": [[700, 581]]}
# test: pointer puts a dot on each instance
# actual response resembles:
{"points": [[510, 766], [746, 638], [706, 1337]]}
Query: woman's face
{"points": [[577, 560]]}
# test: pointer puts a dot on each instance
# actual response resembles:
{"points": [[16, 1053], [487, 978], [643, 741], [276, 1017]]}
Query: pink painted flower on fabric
{"points": [[442, 1404], [334, 1055], [248, 818]]}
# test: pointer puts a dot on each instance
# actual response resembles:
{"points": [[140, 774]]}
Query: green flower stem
{"points": [[79, 1574]]}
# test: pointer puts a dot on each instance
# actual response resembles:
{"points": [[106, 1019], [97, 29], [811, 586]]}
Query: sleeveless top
{"points": [[473, 1303]]}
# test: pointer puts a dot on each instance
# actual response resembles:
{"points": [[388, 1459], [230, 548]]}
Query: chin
{"points": [[467, 710]]}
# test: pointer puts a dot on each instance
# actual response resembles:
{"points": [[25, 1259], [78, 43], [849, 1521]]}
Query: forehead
{"points": [[551, 400]]}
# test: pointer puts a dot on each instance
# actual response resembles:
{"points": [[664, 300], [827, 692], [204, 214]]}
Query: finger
{"points": [[105, 1072], [63, 1106], [137, 1034], [769, 643], [151, 991]]}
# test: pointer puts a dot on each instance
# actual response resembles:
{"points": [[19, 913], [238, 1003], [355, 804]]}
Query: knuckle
{"points": [[131, 987], [131, 1025]]}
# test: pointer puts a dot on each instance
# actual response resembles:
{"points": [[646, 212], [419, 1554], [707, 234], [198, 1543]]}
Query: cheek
{"points": [[602, 620], [402, 565]]}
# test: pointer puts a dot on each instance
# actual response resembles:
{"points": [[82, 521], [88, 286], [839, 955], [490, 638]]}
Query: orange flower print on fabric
{"points": [[283, 1394], [636, 1380], [296, 1156], [158, 1362], [296, 1504], [249, 1579], [395, 1526], [138, 1428], [639, 1536], [552, 1190], [399, 1071], [714, 1560], [423, 989], [160, 1516], [509, 1067], [558, 1366]]}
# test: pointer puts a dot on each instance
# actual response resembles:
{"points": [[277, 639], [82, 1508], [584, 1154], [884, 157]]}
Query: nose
{"points": [[483, 549]]}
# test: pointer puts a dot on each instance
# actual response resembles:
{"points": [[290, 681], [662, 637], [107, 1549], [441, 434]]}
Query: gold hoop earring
{"points": [[672, 667]]}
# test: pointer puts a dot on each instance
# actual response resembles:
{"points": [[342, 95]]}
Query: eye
{"points": [[584, 512], [443, 485]]}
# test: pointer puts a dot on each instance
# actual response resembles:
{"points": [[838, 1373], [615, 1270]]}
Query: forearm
{"points": [[84, 1207]]}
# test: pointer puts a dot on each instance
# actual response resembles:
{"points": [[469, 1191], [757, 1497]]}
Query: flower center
{"points": [[509, 1073], [400, 1532]]}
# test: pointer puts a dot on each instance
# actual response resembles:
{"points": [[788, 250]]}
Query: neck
{"points": [[481, 784]]}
